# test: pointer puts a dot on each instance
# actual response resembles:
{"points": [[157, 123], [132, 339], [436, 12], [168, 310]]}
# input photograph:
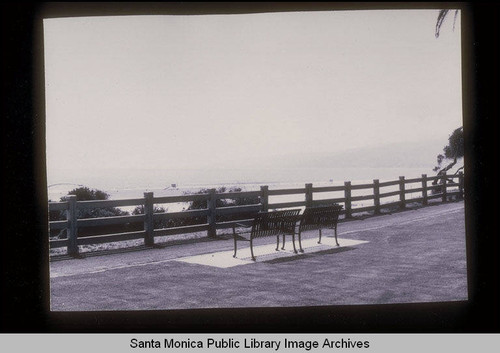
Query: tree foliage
{"points": [[452, 151], [455, 147], [85, 194]]}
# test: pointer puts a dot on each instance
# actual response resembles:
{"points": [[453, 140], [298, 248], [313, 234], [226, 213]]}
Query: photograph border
{"points": [[25, 271]]}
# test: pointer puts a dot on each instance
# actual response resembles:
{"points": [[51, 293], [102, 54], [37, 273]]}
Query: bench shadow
{"points": [[309, 255]]}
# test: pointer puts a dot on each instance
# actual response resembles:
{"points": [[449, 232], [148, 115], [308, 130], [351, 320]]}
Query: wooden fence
{"points": [[375, 192]]}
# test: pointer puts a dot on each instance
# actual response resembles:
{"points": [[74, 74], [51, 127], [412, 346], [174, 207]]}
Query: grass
{"points": [[411, 257]]}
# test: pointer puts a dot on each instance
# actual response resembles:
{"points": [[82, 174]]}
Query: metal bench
{"points": [[267, 224], [318, 218]]}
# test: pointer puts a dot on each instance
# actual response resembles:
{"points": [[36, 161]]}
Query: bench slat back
{"points": [[274, 223], [320, 217]]}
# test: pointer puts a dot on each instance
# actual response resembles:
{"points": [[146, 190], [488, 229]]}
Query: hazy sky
{"points": [[177, 91]]}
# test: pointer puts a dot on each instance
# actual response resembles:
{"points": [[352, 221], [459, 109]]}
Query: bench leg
{"points": [[300, 243], [319, 241], [293, 242], [234, 245], [251, 249], [277, 243], [283, 247], [336, 236]]}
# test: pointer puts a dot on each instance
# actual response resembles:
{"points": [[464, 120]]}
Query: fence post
{"points": [[148, 219], [444, 187], [264, 198], [424, 189], [460, 185], [376, 195], [309, 195], [347, 195], [211, 213], [402, 194], [72, 227]]}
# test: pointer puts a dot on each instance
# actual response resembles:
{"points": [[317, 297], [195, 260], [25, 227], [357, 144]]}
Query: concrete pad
{"points": [[263, 253]]}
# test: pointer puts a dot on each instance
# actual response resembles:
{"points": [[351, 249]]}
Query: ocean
{"points": [[132, 183]]}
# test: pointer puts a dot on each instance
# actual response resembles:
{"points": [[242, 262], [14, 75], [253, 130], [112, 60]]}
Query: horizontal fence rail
{"points": [[150, 223]]}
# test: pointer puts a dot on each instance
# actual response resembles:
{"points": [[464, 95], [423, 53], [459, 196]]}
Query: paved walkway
{"points": [[411, 256]]}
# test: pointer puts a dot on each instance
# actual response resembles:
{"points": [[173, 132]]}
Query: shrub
{"points": [[238, 201], [86, 194], [158, 223]]}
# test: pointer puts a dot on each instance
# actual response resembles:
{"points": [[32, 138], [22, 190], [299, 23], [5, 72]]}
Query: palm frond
{"points": [[441, 16], [440, 19], [455, 19]]}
